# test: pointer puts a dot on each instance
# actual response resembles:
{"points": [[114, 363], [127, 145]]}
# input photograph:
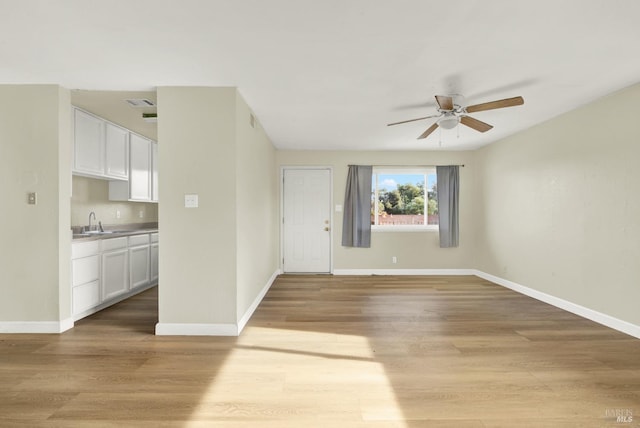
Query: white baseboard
{"points": [[249, 312], [403, 272], [66, 324], [590, 314], [37, 327], [188, 329]]}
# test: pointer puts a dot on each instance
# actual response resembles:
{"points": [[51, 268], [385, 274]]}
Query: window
{"points": [[404, 199]]}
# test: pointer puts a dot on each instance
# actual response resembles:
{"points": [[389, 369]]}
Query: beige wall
{"points": [[558, 207], [35, 244], [198, 245], [64, 208], [257, 208], [215, 259], [91, 194], [414, 250]]}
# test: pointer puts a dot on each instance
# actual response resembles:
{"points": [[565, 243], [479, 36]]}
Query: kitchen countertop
{"points": [[118, 233]]}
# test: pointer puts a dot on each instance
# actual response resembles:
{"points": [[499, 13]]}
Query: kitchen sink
{"points": [[90, 233]]}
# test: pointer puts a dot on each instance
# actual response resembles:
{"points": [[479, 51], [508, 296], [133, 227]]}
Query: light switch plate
{"points": [[338, 208], [32, 198], [191, 201]]}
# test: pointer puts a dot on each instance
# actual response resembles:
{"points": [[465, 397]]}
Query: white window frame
{"points": [[425, 170]]}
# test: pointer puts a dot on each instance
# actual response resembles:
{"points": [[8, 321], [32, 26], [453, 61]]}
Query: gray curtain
{"points": [[448, 196], [356, 221]]}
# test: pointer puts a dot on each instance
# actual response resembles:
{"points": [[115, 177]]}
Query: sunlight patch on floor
{"points": [[284, 375]]}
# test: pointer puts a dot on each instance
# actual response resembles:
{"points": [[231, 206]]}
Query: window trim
{"points": [[414, 170]]}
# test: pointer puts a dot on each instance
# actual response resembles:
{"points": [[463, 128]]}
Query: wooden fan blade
{"points": [[476, 124], [445, 103], [413, 120], [507, 102], [426, 133]]}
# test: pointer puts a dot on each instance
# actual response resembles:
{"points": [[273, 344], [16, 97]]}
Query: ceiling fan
{"points": [[451, 113]]}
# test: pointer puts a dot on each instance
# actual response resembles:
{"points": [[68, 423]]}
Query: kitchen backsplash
{"points": [[91, 194]]}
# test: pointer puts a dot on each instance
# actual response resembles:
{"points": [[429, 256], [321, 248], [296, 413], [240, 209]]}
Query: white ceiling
{"points": [[330, 74]]}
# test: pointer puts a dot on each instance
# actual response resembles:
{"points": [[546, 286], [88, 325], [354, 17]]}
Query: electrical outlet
{"points": [[394, 259], [141, 214], [117, 213]]}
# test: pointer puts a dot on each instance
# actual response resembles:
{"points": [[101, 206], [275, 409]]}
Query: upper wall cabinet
{"points": [[116, 152], [140, 174], [143, 173], [88, 144], [100, 148]]}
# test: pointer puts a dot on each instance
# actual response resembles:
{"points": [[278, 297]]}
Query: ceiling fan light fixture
{"points": [[449, 122]]}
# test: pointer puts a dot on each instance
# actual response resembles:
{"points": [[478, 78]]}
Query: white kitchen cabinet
{"points": [[88, 147], [138, 188], [100, 148], [85, 269], [116, 152], [153, 258], [154, 171], [106, 271], [85, 297], [140, 173], [85, 276], [115, 269], [139, 259]]}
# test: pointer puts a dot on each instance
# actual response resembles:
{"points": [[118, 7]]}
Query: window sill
{"points": [[404, 228]]}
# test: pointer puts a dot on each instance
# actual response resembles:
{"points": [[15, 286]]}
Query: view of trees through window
{"points": [[402, 199]]}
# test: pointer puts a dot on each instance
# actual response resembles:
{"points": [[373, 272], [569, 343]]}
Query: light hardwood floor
{"points": [[324, 351]]}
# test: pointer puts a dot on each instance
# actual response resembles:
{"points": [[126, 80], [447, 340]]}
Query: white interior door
{"points": [[307, 220]]}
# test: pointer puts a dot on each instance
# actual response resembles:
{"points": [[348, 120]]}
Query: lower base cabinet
{"points": [[153, 267], [85, 279], [109, 270], [86, 296], [115, 280], [115, 260], [139, 260]]}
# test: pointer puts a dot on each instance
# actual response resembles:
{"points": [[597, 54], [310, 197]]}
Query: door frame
{"points": [[331, 212]]}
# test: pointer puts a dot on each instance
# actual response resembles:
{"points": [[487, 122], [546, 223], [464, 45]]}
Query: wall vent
{"points": [[140, 102], [150, 117]]}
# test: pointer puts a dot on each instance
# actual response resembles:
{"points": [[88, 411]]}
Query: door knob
{"points": [[326, 229]]}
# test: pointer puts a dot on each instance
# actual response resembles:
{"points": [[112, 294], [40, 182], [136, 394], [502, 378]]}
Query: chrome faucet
{"points": [[94, 217]]}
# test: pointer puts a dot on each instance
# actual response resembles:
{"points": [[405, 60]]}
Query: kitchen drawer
{"points": [[114, 243], [137, 240], [84, 249], [85, 270], [86, 296]]}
